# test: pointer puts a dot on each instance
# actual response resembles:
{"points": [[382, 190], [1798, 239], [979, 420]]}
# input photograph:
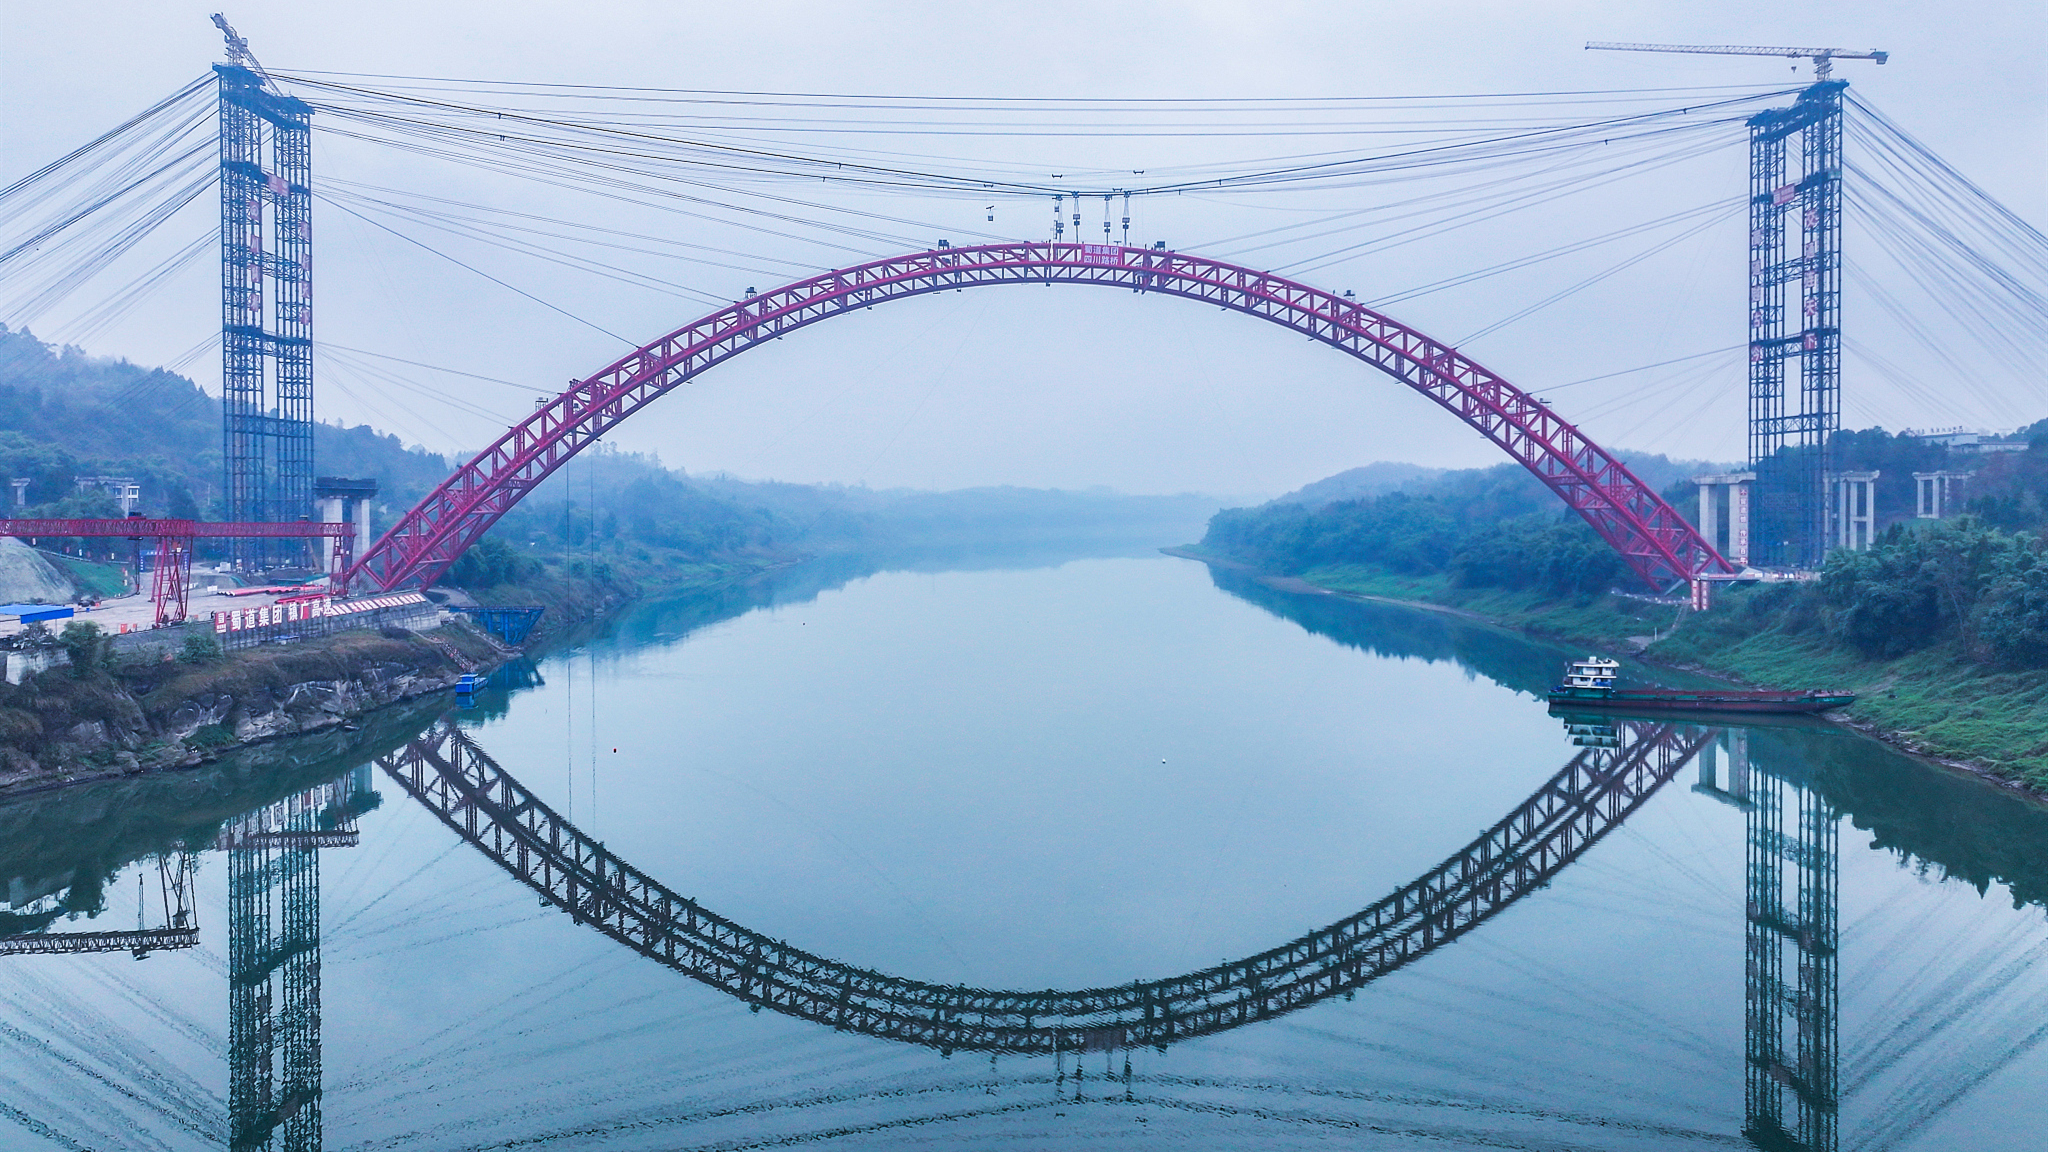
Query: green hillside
{"points": [[64, 414]]}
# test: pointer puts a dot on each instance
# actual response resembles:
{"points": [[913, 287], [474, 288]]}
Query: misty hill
{"points": [[1385, 476], [1361, 483], [620, 499], [64, 415], [1485, 527]]}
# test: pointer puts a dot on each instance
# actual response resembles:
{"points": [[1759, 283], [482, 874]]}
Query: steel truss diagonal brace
{"points": [[1658, 544], [445, 771]]}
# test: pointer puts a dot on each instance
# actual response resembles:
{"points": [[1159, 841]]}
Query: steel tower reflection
{"points": [[1791, 906], [274, 961]]}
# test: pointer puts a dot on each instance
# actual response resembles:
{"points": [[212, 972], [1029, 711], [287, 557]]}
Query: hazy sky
{"points": [[1069, 387]]}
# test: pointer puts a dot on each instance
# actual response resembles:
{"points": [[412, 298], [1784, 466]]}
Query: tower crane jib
{"points": [[1823, 58]]}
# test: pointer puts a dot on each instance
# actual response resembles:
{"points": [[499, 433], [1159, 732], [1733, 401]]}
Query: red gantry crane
{"points": [[173, 567]]}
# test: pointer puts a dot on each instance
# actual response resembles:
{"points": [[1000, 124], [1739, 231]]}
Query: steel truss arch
{"points": [[1658, 544], [1601, 787]]}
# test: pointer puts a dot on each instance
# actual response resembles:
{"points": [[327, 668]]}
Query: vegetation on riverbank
{"points": [[1608, 620], [1943, 632], [1487, 541], [1495, 528], [580, 592], [1941, 627], [1940, 699]]}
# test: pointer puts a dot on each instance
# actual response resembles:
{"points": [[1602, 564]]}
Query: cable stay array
{"points": [[71, 221], [1953, 271], [686, 194]]}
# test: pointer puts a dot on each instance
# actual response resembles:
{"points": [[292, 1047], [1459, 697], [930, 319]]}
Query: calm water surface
{"points": [[1067, 776]]}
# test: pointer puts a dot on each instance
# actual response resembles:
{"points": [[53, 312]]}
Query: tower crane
{"points": [[1795, 303], [238, 47], [1823, 58]]}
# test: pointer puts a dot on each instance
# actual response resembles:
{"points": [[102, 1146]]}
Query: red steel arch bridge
{"points": [[1658, 544]]}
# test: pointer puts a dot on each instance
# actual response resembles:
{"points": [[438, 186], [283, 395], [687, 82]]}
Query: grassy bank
{"points": [[93, 577], [1934, 700], [1606, 621]]}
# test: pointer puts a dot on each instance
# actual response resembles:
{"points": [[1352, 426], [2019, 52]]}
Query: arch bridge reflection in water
{"points": [[1791, 1052], [446, 771]]}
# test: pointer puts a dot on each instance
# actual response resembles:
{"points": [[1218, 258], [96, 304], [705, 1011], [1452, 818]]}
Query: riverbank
{"points": [[1930, 703], [108, 715], [135, 708], [581, 596]]}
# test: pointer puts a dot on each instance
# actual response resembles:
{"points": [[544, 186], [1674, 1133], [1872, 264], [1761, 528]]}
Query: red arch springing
{"points": [[1657, 543]]}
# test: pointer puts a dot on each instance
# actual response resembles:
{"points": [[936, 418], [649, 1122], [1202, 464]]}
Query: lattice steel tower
{"points": [[266, 354], [1789, 433], [1795, 314]]}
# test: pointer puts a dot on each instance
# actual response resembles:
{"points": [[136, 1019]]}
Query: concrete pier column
{"points": [[341, 501], [1738, 522], [1737, 486], [1938, 493], [1855, 509]]}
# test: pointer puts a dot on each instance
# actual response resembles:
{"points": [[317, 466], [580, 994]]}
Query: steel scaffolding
{"points": [[274, 963], [1789, 436], [1792, 902], [266, 416]]}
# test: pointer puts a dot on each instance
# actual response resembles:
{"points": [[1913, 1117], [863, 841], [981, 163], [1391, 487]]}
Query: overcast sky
{"points": [[1072, 387]]}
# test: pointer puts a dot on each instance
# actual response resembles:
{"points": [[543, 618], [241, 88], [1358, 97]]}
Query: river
{"points": [[1278, 870]]}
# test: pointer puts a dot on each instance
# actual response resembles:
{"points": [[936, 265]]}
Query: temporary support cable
{"points": [[1105, 216], [1059, 225], [1127, 219]]}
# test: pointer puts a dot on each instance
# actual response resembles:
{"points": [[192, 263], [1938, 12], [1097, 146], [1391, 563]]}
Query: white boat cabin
{"points": [[1592, 672]]}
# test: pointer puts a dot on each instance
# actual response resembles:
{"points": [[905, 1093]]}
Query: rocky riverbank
{"points": [[108, 715]]}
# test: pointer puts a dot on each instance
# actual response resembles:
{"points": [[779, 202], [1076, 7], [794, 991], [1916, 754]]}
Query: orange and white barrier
{"points": [[312, 608]]}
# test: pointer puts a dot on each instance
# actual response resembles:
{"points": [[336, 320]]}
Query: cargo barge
{"points": [[1589, 683]]}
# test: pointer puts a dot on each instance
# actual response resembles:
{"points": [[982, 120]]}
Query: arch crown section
{"points": [[1658, 544]]}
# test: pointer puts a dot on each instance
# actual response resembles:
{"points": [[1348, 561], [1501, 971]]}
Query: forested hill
{"points": [[64, 414], [1485, 527]]}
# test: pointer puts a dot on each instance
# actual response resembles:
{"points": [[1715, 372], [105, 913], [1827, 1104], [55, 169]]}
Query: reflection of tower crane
{"points": [[180, 930], [1823, 58]]}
